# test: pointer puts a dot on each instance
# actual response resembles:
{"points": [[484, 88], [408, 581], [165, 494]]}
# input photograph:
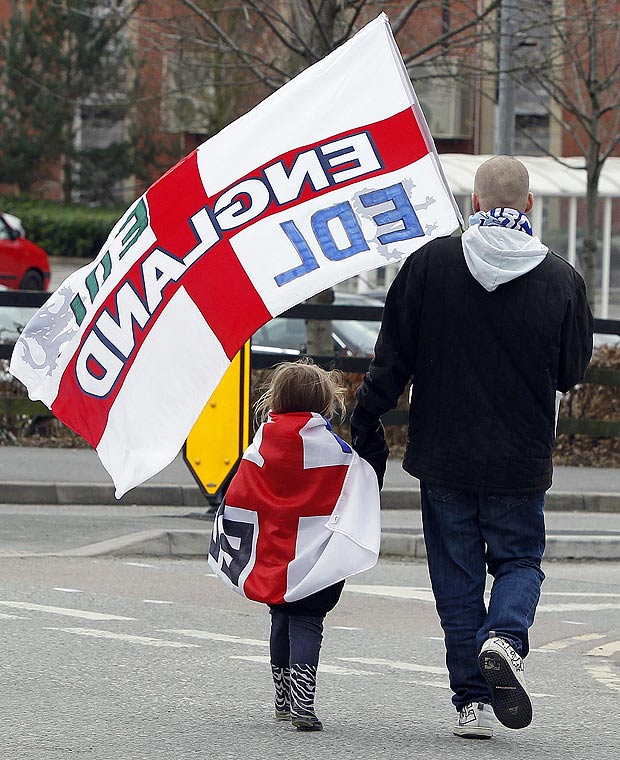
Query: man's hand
{"points": [[370, 444]]}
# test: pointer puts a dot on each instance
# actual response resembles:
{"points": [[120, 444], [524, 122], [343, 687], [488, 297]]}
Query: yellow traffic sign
{"points": [[221, 434]]}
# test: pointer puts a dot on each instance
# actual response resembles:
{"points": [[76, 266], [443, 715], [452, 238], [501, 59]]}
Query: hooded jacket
{"points": [[487, 327]]}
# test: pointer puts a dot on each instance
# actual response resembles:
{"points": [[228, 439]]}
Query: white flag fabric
{"points": [[334, 174]]}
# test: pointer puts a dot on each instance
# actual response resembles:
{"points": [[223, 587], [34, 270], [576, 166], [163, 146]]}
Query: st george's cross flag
{"points": [[334, 174], [301, 513]]}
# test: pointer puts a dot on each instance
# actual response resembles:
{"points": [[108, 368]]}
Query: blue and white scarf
{"points": [[502, 217]]}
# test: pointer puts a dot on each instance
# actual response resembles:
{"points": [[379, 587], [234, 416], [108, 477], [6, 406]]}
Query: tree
{"points": [[577, 73], [61, 60]]}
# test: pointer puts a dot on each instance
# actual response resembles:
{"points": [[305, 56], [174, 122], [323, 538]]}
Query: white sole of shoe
{"points": [[511, 702]]}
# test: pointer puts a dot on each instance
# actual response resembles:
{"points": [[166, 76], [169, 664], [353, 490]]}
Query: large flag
{"points": [[301, 513], [334, 174]]}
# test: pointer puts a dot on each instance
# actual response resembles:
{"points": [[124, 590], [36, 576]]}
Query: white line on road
{"points": [[6, 616], [425, 594], [144, 640], [414, 667], [84, 614], [217, 637], [68, 590], [588, 594], [605, 675], [397, 665], [401, 592], [577, 607], [335, 669], [554, 646], [607, 650], [138, 564], [155, 601], [432, 684]]}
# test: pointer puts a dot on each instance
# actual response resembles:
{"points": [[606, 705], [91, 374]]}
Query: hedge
{"points": [[64, 230]]}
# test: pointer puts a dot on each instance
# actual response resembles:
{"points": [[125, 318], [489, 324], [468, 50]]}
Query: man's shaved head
{"points": [[502, 181]]}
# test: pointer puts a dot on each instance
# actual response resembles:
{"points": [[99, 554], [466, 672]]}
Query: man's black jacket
{"points": [[485, 367]]}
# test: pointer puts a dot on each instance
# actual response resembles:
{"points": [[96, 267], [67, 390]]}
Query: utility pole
{"points": [[505, 129]]}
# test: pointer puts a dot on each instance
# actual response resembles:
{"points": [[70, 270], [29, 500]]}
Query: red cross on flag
{"points": [[301, 513], [334, 174]]}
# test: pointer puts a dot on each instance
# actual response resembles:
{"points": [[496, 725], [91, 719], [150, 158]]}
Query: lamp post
{"points": [[505, 131]]}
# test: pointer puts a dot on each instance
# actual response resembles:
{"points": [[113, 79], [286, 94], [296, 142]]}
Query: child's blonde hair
{"points": [[302, 386]]}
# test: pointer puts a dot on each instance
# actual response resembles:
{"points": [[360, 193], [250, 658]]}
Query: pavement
{"points": [[61, 502]]}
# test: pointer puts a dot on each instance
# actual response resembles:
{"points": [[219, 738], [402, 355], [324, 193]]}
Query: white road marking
{"points": [[577, 607], [217, 637], [605, 675], [397, 665], [6, 616], [155, 601], [415, 667], [144, 640], [606, 650], [84, 614], [344, 628], [588, 594], [401, 592], [138, 564], [554, 646], [68, 590], [432, 684], [335, 669], [573, 622], [425, 594]]}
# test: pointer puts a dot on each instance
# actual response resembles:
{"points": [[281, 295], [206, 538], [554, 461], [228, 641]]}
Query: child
{"points": [[300, 515]]}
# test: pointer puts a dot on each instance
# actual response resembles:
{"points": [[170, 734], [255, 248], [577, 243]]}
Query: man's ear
{"points": [[475, 203], [529, 204]]}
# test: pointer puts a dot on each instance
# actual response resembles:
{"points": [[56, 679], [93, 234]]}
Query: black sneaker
{"points": [[502, 669]]}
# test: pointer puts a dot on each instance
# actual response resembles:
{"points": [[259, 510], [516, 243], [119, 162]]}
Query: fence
{"points": [[569, 425]]}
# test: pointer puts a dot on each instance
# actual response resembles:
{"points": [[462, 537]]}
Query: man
{"points": [[487, 326]]}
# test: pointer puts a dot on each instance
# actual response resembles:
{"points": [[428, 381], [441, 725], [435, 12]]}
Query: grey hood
{"points": [[495, 255]]}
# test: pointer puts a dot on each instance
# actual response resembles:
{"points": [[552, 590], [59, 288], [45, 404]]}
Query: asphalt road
{"points": [[151, 660]]}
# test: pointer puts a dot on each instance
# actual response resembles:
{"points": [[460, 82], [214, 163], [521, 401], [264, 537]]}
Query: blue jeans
{"points": [[294, 639], [466, 534]]}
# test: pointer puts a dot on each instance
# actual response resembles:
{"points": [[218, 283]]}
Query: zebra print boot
{"points": [[282, 682], [303, 685]]}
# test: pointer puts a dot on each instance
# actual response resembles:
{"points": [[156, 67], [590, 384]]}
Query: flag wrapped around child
{"points": [[301, 513]]}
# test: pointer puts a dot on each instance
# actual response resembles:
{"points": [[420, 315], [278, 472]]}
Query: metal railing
{"points": [[570, 425]]}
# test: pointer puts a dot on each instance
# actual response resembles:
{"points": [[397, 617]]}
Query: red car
{"points": [[23, 265]]}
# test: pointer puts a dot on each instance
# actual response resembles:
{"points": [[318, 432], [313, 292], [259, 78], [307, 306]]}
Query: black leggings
{"points": [[297, 628]]}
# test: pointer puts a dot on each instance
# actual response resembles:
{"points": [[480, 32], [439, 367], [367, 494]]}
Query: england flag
{"points": [[334, 174], [301, 513]]}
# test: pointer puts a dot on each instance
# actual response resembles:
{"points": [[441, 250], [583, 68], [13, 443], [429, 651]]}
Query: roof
{"points": [[548, 177]]}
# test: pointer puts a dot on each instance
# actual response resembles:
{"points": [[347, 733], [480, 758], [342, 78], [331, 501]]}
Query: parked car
{"points": [[23, 265], [287, 336], [13, 319]]}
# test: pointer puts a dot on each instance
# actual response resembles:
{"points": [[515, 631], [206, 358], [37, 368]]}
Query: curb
{"points": [[91, 494], [564, 547], [195, 544], [85, 494], [556, 501]]}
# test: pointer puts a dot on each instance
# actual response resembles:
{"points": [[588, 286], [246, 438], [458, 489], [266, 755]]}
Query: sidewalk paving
{"points": [[61, 501]]}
